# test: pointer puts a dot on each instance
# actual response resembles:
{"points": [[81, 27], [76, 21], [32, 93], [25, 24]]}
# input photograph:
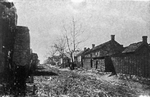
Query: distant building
{"points": [[80, 56], [99, 57], [134, 60], [54, 60], [65, 60]]}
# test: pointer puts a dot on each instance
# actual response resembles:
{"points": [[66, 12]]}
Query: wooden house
{"points": [[80, 56], [65, 60], [87, 58], [99, 57], [134, 60]]}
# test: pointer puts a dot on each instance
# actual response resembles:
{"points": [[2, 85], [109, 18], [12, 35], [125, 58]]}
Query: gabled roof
{"points": [[132, 47], [67, 55], [55, 57], [79, 54], [105, 45], [82, 52]]}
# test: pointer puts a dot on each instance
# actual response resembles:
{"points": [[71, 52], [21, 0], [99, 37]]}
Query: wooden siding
{"points": [[133, 64]]}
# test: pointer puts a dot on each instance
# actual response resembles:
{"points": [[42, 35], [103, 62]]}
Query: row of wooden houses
{"points": [[111, 56]]}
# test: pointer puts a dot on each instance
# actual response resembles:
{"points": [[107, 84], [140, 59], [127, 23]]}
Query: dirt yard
{"points": [[82, 83]]}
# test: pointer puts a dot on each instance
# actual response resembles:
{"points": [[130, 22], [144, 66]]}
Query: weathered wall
{"points": [[21, 46], [99, 64], [133, 64], [1, 54], [87, 63], [8, 19], [1, 62], [109, 48]]}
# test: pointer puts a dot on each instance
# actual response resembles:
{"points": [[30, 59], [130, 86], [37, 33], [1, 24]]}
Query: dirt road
{"points": [[80, 83]]}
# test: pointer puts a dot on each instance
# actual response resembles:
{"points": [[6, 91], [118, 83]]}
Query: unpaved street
{"points": [[81, 83]]}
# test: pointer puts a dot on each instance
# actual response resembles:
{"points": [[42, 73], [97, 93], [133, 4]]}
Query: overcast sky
{"points": [[129, 20]]}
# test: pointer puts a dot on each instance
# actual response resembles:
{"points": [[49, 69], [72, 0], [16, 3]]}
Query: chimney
{"points": [[144, 39], [84, 48], [93, 45], [112, 37]]}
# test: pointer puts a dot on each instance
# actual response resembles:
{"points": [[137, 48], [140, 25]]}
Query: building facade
{"points": [[80, 56], [99, 57], [134, 60]]}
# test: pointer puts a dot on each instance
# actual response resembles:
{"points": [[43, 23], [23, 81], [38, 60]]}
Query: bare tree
{"points": [[56, 50], [72, 36], [60, 45], [70, 39], [51, 51]]}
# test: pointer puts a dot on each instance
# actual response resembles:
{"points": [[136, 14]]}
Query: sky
{"points": [[128, 20]]}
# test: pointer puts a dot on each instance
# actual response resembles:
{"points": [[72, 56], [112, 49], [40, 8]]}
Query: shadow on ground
{"points": [[40, 68], [41, 71], [44, 73]]}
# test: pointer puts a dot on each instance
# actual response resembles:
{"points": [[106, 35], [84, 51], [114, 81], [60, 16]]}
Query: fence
{"points": [[132, 64]]}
